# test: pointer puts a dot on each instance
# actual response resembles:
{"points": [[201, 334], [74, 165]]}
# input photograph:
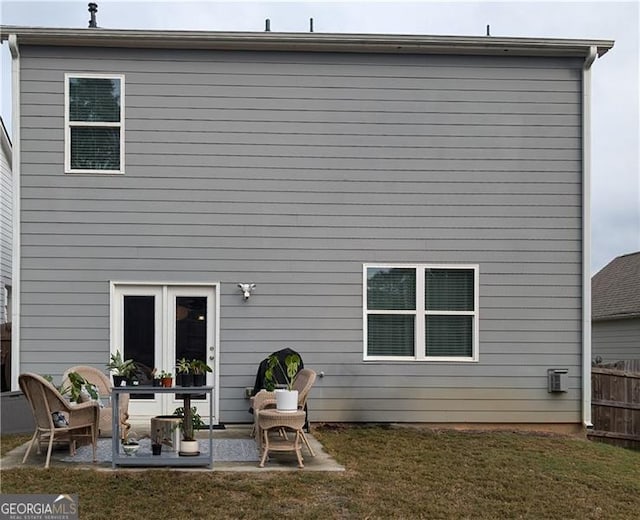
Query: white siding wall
{"points": [[291, 170], [6, 222]]}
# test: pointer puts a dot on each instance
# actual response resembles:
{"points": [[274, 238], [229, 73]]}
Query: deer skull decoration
{"points": [[246, 289]]}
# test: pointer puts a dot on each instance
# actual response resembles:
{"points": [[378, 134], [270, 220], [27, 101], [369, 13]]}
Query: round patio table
{"points": [[270, 418]]}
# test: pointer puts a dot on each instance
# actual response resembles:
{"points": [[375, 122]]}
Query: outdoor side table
{"points": [[270, 418]]}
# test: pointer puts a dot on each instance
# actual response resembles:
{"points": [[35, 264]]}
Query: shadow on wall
{"points": [[5, 357], [16, 416]]}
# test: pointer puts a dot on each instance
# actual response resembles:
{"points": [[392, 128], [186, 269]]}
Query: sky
{"points": [[615, 213]]}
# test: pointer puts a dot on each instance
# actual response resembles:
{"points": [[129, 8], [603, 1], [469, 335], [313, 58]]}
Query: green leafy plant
{"points": [[292, 363], [183, 366], [75, 388], [190, 422], [121, 367], [199, 367], [78, 385]]}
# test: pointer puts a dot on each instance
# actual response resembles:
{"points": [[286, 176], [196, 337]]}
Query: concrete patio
{"points": [[276, 462]]}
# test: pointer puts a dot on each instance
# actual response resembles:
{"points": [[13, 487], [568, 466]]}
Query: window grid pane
{"points": [[94, 99], [449, 289], [391, 289], [95, 148], [391, 334], [450, 336]]}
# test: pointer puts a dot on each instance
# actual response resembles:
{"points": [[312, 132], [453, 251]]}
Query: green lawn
{"points": [[391, 473]]}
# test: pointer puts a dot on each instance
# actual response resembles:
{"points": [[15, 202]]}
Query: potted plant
{"points": [[184, 376], [200, 369], [129, 441], [190, 422], [166, 378], [287, 398], [122, 369], [156, 443], [79, 389], [156, 380]]}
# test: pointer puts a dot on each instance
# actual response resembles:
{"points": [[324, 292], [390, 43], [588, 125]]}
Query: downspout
{"points": [[15, 173], [586, 236]]}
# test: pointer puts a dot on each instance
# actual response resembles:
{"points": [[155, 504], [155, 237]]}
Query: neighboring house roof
{"points": [[321, 42], [615, 289]]}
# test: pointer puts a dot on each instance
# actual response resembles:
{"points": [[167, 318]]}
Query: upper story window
{"points": [[421, 312], [94, 123]]}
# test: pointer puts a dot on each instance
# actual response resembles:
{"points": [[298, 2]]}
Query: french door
{"points": [[157, 324]]}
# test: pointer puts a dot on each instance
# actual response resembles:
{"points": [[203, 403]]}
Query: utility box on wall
{"points": [[558, 379]]}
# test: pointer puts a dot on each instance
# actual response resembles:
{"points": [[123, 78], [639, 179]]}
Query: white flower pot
{"points": [[188, 448], [286, 400], [130, 449]]}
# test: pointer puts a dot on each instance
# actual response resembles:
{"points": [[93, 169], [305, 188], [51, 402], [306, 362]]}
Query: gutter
{"points": [[15, 173], [586, 237], [306, 42]]}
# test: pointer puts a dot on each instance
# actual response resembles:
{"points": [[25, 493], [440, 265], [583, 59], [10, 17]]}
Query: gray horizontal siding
{"points": [[616, 340], [292, 170]]}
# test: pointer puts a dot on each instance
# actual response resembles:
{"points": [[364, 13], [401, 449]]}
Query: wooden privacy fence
{"points": [[615, 403]]}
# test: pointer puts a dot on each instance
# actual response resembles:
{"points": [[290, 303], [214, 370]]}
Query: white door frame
{"points": [[164, 328]]}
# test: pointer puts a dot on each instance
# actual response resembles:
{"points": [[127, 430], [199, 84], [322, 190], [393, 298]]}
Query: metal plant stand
{"points": [[165, 459]]}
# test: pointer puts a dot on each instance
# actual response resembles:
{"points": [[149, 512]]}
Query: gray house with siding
{"points": [[413, 211], [616, 309]]}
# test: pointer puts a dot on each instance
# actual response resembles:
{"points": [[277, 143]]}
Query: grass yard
{"points": [[391, 473]]}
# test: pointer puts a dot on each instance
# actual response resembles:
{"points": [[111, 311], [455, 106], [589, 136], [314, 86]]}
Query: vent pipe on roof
{"points": [[310, 24], [488, 30], [93, 9], [267, 25]]}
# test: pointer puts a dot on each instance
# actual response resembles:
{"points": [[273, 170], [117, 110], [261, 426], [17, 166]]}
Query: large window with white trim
{"points": [[421, 312], [94, 123]]}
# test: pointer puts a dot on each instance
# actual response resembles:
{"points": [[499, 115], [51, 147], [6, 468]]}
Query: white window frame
{"points": [[420, 313], [110, 124]]}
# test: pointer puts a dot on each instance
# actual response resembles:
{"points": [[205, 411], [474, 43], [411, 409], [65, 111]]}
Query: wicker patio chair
{"points": [[44, 400], [103, 383], [303, 382]]}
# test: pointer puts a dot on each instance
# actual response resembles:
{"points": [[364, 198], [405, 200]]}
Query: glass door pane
{"points": [[191, 335], [139, 337], [191, 327], [137, 334]]}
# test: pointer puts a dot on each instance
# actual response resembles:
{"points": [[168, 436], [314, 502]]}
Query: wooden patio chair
{"points": [[44, 400], [103, 383]]}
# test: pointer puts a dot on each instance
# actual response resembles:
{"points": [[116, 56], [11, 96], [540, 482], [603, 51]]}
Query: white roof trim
{"points": [[310, 42]]}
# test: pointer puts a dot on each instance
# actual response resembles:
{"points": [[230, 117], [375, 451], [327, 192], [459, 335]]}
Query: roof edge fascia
{"points": [[310, 42], [617, 317]]}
